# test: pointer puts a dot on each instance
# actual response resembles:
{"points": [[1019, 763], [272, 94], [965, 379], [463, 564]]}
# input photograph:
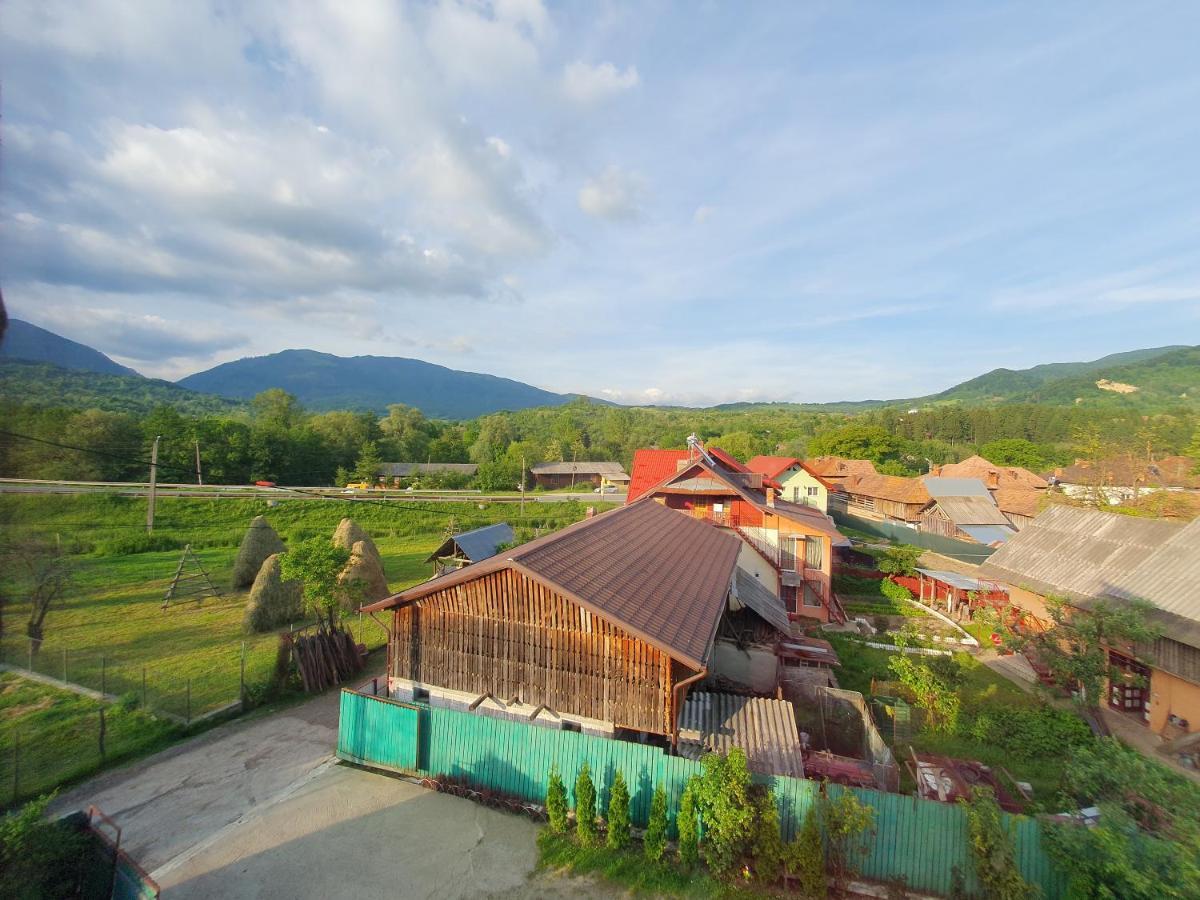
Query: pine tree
{"points": [[556, 803], [806, 858], [618, 813], [585, 807], [688, 824], [654, 842]]}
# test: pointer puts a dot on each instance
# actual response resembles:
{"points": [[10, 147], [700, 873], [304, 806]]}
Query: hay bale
{"points": [[348, 533], [366, 566], [260, 542], [273, 602]]}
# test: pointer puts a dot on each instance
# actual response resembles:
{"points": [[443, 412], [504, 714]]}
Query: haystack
{"points": [[273, 602], [348, 533], [366, 567], [260, 542]]}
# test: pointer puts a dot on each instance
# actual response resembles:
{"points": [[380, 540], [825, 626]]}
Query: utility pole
{"points": [[522, 485], [153, 485], [199, 477]]}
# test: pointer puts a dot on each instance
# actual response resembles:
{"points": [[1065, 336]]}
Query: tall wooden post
{"points": [[153, 486]]}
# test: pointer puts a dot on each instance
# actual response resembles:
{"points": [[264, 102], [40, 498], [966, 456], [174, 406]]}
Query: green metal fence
{"points": [[919, 840], [960, 550]]}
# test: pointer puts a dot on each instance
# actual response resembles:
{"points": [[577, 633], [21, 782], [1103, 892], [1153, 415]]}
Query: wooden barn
{"points": [[601, 627]]}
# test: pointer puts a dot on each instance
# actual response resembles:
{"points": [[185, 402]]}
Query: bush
{"points": [[725, 808], [688, 825], [556, 803], [259, 543], [766, 843], [654, 842], [39, 857], [1027, 733], [129, 544], [898, 593], [900, 560], [993, 849], [806, 858], [585, 807], [618, 813]]}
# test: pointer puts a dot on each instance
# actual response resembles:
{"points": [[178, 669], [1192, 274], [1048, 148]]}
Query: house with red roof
{"points": [[798, 481], [788, 546]]}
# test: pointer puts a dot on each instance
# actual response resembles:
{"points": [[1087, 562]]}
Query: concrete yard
{"points": [[262, 808]]}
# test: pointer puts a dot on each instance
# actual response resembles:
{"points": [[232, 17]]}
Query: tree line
{"points": [[276, 439]]}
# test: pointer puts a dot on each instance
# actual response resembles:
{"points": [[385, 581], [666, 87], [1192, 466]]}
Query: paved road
{"points": [[261, 808], [217, 492]]}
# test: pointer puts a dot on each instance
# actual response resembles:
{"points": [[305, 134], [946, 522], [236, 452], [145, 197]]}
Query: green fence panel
{"points": [[964, 551], [374, 731], [918, 840]]}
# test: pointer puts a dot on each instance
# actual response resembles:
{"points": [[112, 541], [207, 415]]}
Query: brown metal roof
{"points": [[1019, 501], [888, 487], [992, 475], [839, 467], [656, 572]]}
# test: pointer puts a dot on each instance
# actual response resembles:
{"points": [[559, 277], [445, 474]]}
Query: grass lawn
{"points": [[51, 736], [111, 625], [980, 690]]}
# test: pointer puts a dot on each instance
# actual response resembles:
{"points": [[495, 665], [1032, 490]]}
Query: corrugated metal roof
{"points": [[896, 488], [756, 595], [658, 573], [764, 729], [954, 487], [954, 579], [972, 511], [1077, 553], [1170, 579], [582, 467], [989, 534], [482, 543]]}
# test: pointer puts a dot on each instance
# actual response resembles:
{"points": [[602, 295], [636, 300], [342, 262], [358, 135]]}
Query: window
{"points": [[814, 556], [811, 597], [795, 495], [812, 491]]}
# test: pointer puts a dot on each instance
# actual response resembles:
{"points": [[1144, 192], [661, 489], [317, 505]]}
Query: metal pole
{"points": [[199, 476], [153, 485], [102, 732], [103, 675]]}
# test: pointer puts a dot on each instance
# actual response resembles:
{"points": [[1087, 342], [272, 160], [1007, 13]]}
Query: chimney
{"points": [[993, 480], [591, 511], [771, 496]]}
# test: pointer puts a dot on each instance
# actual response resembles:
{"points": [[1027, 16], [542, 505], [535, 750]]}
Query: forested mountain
{"points": [[322, 381], [44, 385], [33, 344]]}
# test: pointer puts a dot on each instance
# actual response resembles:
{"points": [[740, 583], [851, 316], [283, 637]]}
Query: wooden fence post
{"points": [[103, 674], [102, 729]]}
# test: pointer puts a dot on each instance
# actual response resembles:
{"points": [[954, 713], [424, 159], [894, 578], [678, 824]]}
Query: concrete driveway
{"points": [[262, 808]]}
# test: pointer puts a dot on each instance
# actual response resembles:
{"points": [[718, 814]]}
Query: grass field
{"points": [[51, 736], [111, 633]]}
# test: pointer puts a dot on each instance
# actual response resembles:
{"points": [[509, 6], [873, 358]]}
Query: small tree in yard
{"points": [[1076, 649], [766, 843], [585, 807], [317, 563], [618, 813], [688, 824], [993, 849], [725, 808], [41, 571], [899, 560], [847, 822], [654, 842], [805, 858], [556, 803]]}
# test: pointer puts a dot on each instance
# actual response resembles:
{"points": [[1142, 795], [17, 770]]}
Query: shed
{"points": [[470, 547], [567, 474]]}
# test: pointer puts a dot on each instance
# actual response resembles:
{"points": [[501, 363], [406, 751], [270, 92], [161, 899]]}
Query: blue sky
{"points": [[650, 202]]}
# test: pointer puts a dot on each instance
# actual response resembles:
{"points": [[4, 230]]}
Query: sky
{"points": [[649, 202]]}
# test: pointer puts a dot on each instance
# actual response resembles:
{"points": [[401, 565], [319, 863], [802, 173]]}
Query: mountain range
{"points": [[43, 368]]}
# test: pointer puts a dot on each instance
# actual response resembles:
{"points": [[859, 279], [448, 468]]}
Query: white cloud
{"points": [[583, 83], [484, 51], [702, 214], [613, 194]]}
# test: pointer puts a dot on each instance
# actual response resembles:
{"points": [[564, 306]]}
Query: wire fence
{"points": [[66, 712]]}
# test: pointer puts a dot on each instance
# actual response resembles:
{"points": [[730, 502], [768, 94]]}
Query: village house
{"points": [[963, 509], [554, 475], [787, 546], [1084, 555], [393, 473], [1121, 479], [1017, 491], [469, 547], [883, 498], [602, 627], [836, 470], [796, 478]]}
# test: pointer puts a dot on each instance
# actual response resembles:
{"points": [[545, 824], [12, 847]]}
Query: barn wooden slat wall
{"points": [[921, 840], [510, 636]]}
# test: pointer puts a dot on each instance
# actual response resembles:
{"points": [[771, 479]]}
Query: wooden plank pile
{"points": [[326, 657]]}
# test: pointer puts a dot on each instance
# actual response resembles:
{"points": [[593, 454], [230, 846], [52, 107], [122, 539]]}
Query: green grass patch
{"points": [[629, 869], [51, 737]]}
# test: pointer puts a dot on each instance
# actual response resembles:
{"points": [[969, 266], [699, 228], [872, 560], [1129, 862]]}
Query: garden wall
{"points": [[919, 840]]}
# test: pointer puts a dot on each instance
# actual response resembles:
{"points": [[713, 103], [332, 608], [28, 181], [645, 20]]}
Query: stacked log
{"points": [[325, 657]]}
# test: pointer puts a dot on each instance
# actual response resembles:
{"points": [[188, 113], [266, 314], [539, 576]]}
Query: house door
{"points": [[1129, 684]]}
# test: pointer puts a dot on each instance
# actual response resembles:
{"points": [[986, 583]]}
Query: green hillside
{"points": [[1170, 379], [41, 384], [27, 342]]}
